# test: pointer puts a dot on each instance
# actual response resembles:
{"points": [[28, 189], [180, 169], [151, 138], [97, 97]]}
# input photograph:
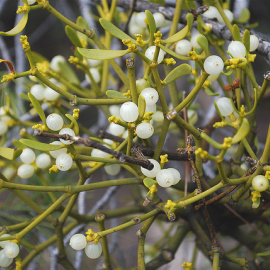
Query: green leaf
{"points": [[115, 31], [24, 96], [82, 37], [236, 33], [174, 54], [244, 16], [40, 146], [7, 153], [75, 123], [148, 182], [38, 58], [68, 73], [209, 92], [72, 35], [242, 132], [141, 106], [114, 94], [18, 144], [228, 73], [190, 4], [38, 108], [19, 27], [246, 39], [17, 153], [178, 36], [203, 42], [266, 253], [256, 204], [178, 72], [97, 54], [151, 23]]}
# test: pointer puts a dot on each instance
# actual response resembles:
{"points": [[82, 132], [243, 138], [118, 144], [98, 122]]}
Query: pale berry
{"points": [[43, 161], [37, 91], [141, 19], [213, 65], [237, 49], [56, 153], [165, 178], [95, 74], [183, 47], [25, 171], [78, 241], [194, 42], [11, 250], [98, 153], [94, 63], [154, 171], [141, 84], [3, 128], [116, 129], [159, 19], [28, 156], [144, 130], [225, 106], [113, 169], [254, 43], [129, 111], [150, 95], [54, 121], [3, 243], [260, 183], [158, 116], [50, 94], [150, 52], [176, 175], [151, 108], [55, 62], [31, 2], [4, 260], [93, 250], [228, 14], [64, 162], [68, 131], [211, 13]]}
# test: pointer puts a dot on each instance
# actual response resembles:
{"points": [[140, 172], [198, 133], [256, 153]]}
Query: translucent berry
{"points": [[11, 250], [50, 94], [37, 91], [68, 131], [43, 161], [183, 46], [213, 65], [176, 175], [25, 171], [64, 162], [116, 129], [28, 156], [254, 43], [154, 171], [260, 183], [225, 106], [159, 19], [237, 49], [165, 178], [3, 128], [129, 111], [78, 241], [31, 2], [54, 121], [140, 19], [56, 153], [141, 84], [4, 260], [228, 14], [3, 243], [55, 62], [150, 95], [150, 52], [113, 169], [144, 130], [98, 153], [92, 250]]}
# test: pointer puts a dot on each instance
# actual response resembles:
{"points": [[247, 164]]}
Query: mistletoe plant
{"points": [[144, 105]]}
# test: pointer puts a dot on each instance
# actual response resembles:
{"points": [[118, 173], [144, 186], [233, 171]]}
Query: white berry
{"points": [[211, 13], [64, 162], [260, 183], [4, 260], [225, 106], [68, 131], [176, 175], [94, 63], [159, 19], [25, 171], [28, 156], [140, 19], [11, 250], [95, 74], [183, 46], [237, 49], [151, 108], [150, 95], [129, 111], [43, 161], [213, 65], [115, 110], [54, 121], [192, 117], [31, 2], [150, 52], [99, 154], [3, 128], [116, 129], [144, 130], [113, 169], [154, 171], [55, 62], [50, 94], [158, 116], [78, 241], [165, 178], [194, 42], [228, 14], [254, 43], [37, 91], [92, 250], [141, 84], [56, 153], [3, 243]]}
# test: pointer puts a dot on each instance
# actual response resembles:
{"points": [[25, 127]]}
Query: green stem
{"points": [[130, 63], [176, 17], [216, 261]]}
